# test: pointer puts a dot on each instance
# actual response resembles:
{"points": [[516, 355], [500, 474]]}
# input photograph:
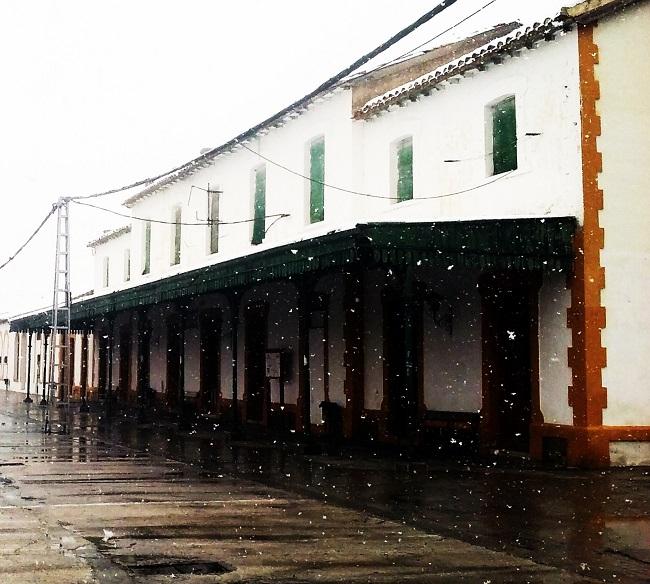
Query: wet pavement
{"points": [[196, 506]]}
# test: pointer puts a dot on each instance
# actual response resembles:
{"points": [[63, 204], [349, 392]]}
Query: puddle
{"points": [[175, 566]]}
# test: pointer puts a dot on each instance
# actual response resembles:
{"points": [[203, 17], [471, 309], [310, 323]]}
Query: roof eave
{"points": [[592, 10], [542, 32]]}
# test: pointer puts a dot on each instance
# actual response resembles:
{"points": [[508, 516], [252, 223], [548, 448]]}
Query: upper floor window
{"points": [[176, 236], [259, 205], [213, 219], [146, 248], [127, 265], [404, 167], [504, 135], [317, 180], [105, 272]]}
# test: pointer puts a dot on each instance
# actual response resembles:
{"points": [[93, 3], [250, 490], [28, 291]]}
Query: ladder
{"points": [[60, 376]]}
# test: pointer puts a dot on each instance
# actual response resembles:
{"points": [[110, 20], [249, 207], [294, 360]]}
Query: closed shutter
{"points": [[504, 136], [259, 221], [317, 176], [176, 259], [405, 170], [146, 268], [214, 222]]}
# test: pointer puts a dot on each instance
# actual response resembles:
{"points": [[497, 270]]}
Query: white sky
{"points": [[96, 94]]}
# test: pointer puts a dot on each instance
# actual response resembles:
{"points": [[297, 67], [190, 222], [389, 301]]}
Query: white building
{"points": [[423, 245]]}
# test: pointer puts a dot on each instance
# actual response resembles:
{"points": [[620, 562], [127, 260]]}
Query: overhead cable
{"points": [[276, 216], [34, 233], [449, 29], [373, 195], [329, 84]]}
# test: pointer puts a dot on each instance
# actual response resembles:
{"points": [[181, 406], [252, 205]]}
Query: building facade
{"points": [[415, 255]]}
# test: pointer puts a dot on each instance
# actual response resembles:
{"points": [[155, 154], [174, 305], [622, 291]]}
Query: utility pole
{"points": [[60, 358]]}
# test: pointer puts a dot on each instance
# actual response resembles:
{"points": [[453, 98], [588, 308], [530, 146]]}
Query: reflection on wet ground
{"points": [[596, 524]]}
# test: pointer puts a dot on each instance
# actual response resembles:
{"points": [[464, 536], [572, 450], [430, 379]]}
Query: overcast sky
{"points": [[96, 94]]}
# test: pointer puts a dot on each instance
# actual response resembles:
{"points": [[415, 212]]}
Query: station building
{"points": [[416, 255]]}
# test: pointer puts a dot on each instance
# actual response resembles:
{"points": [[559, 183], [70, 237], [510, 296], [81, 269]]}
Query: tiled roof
{"points": [[108, 235], [522, 38]]}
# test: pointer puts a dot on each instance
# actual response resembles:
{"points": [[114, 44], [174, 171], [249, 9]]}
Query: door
{"points": [[124, 382], [210, 366], [174, 360], [144, 358], [509, 319], [255, 362], [402, 356]]}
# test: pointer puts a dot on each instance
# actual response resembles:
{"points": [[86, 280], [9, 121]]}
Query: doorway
{"points": [[124, 371], [174, 360], [144, 359], [402, 333], [255, 362], [210, 364], [509, 354]]}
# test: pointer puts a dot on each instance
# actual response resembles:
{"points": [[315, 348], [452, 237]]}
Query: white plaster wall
{"points": [[452, 360], [113, 249], [451, 125], [554, 341], [624, 76]]}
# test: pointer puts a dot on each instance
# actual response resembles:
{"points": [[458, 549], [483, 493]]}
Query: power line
{"points": [[276, 216], [331, 82], [372, 195], [452, 27], [24, 245]]}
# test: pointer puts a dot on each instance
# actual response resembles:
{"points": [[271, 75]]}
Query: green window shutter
{"points": [[504, 136], [259, 220], [146, 268], [317, 176], [176, 259], [127, 265], [214, 222], [405, 170]]}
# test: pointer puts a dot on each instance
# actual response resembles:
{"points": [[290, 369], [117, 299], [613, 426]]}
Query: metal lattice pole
{"points": [[60, 376]]}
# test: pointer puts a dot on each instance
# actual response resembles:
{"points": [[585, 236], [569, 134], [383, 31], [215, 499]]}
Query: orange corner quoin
{"points": [[588, 445]]}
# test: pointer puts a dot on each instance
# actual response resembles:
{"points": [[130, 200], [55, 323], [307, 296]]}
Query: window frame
{"points": [[402, 184], [127, 264], [259, 204], [213, 220], [502, 158], [176, 235], [106, 272], [146, 248]]}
